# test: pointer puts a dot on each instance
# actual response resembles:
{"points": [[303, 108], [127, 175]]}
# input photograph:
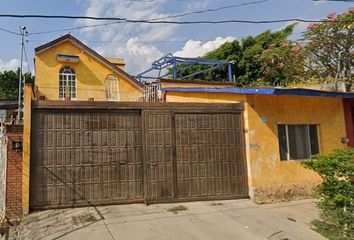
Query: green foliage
{"points": [[336, 193], [177, 209], [249, 59], [9, 83], [272, 59], [330, 43]]}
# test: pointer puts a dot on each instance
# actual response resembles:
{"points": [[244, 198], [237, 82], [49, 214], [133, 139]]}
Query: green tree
{"points": [[247, 57], [336, 193], [9, 83], [283, 64], [330, 44]]}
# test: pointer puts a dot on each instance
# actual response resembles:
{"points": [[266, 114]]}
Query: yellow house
{"points": [[67, 69], [282, 128]]}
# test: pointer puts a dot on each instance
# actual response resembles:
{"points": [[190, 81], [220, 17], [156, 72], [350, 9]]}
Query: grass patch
{"points": [[82, 219], [216, 204], [329, 231], [177, 209]]}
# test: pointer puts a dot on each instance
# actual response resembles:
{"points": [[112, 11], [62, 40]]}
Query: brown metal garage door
{"points": [[86, 158], [194, 156], [109, 153], [209, 155]]}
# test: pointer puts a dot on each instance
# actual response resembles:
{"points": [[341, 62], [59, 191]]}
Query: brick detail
{"points": [[14, 210]]}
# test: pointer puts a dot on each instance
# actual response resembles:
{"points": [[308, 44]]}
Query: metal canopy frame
{"points": [[170, 60]]}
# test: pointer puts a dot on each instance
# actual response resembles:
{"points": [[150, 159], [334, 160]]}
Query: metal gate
{"points": [[135, 152]]}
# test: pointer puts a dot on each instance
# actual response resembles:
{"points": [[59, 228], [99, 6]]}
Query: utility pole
{"points": [[19, 110]]}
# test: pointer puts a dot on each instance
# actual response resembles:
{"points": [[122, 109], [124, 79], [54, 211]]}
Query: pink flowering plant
{"points": [[331, 42], [283, 63]]}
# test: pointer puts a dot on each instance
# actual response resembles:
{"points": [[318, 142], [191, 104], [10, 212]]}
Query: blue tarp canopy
{"points": [[265, 91]]}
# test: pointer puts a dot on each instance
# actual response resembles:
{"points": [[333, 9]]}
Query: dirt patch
{"points": [[82, 219], [284, 193]]}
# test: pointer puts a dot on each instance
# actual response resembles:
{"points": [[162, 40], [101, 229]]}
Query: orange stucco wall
{"points": [[26, 152], [90, 74], [266, 173]]}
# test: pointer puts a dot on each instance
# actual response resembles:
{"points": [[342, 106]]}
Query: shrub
{"points": [[336, 193]]}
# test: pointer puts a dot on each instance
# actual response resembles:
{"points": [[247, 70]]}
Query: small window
{"points": [[67, 83], [297, 142], [111, 83]]}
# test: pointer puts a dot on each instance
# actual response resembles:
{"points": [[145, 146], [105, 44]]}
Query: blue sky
{"points": [[140, 44]]}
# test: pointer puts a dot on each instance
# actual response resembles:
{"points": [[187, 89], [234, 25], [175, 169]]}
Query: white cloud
{"points": [[138, 55], [9, 65], [194, 48], [197, 5], [129, 40]]}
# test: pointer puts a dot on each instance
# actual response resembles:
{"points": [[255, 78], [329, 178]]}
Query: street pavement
{"points": [[233, 219]]}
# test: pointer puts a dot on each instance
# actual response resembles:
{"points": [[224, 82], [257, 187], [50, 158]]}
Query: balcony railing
{"points": [[46, 93]]}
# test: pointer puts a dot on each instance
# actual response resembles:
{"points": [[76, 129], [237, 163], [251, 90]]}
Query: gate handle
{"points": [[152, 164]]}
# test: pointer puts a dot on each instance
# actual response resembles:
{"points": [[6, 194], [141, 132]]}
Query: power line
{"points": [[210, 10], [125, 20], [350, 1], [58, 17], [9, 31], [122, 20], [74, 28], [125, 41], [187, 23]]}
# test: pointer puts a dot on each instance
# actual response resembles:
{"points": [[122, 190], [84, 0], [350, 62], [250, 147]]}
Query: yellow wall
{"points": [[26, 153], [265, 160], [90, 75], [266, 173]]}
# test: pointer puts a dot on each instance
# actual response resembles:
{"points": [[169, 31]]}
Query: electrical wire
{"points": [[130, 41], [9, 31], [58, 17], [349, 1], [123, 20], [210, 10], [187, 23]]}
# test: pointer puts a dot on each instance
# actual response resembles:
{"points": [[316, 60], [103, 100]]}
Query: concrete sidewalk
{"points": [[235, 219]]}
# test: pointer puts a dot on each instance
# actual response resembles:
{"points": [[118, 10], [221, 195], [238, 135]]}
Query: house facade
{"points": [[90, 137], [283, 127], [67, 69]]}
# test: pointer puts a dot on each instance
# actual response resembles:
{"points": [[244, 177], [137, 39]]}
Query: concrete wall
{"points": [[90, 74], [269, 178]]}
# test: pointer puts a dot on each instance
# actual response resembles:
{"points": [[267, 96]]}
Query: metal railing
{"points": [[151, 93], [47, 93]]}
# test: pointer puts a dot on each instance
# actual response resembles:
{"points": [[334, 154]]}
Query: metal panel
{"points": [[159, 145], [209, 155], [119, 153], [86, 158]]}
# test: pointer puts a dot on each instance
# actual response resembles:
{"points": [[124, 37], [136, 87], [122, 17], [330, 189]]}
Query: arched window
{"points": [[67, 83], [111, 83]]}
